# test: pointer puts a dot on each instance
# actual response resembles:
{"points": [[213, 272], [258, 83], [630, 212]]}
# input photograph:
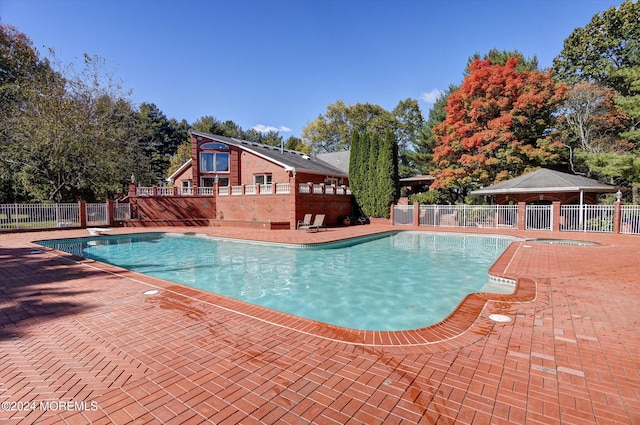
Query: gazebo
{"points": [[545, 186], [415, 184]]}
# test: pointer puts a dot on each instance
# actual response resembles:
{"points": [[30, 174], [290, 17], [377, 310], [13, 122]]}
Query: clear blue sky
{"points": [[280, 63]]}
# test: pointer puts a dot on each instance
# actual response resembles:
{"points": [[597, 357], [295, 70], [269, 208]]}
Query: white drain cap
{"points": [[500, 318]]}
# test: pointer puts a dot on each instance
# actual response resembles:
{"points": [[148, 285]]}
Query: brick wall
{"points": [[276, 208], [334, 207], [173, 210]]}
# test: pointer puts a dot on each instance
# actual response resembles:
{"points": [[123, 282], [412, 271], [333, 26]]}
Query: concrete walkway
{"points": [[80, 342]]}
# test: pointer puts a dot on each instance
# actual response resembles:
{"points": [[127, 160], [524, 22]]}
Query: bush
{"points": [[432, 197]]}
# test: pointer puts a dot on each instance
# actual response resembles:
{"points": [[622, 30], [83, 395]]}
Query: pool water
{"points": [[398, 281]]}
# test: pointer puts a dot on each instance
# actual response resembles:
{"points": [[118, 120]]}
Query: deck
{"points": [[80, 342]]}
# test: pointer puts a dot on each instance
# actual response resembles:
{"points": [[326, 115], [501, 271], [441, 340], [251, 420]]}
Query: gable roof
{"points": [[339, 160], [546, 181], [287, 158], [179, 171]]}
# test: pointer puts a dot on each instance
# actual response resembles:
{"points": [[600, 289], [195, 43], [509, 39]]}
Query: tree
{"points": [[20, 64], [593, 118], [68, 133], [630, 103], [182, 155], [373, 172], [208, 124], [333, 131], [500, 57], [420, 158], [296, 144], [497, 126], [409, 121], [596, 52], [159, 138]]}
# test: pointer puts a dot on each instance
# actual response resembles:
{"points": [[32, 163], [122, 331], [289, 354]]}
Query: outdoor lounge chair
{"points": [[318, 223], [305, 222]]}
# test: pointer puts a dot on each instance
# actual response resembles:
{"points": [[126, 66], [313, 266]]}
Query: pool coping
{"points": [[468, 322]]}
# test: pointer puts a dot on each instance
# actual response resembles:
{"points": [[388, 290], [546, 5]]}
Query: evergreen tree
{"points": [[373, 172]]}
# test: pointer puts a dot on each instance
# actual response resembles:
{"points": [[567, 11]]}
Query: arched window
{"points": [[214, 145]]}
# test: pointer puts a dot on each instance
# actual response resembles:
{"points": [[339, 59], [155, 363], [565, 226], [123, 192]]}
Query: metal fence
{"points": [[487, 216], [573, 218], [38, 216], [586, 218], [630, 219], [122, 212], [403, 215], [539, 217], [97, 215], [49, 216]]}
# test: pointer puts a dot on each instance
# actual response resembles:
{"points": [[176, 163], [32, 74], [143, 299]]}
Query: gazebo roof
{"points": [[419, 179], [545, 181]]}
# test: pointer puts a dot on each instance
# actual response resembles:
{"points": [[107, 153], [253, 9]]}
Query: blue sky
{"points": [[280, 63]]}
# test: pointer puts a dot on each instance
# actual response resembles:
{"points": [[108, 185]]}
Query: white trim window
{"points": [[262, 179], [214, 162]]}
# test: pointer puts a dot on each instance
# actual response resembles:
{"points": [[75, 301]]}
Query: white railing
{"points": [[630, 219], [122, 212], [164, 191], [283, 187], [38, 216], [249, 189], [97, 214], [144, 191], [586, 218], [304, 188], [205, 191]]}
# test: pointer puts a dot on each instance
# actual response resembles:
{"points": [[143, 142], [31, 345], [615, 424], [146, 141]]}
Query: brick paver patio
{"points": [[80, 342]]}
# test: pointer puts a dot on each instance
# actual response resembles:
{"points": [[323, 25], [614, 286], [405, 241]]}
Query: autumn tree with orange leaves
{"points": [[499, 124]]}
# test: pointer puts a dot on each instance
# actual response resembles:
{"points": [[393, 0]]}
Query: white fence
{"points": [[97, 215], [630, 219], [539, 217], [573, 218], [122, 212], [48, 216], [586, 218], [38, 216], [487, 216]]}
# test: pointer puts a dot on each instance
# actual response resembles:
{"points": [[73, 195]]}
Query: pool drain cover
{"points": [[151, 292], [500, 318]]}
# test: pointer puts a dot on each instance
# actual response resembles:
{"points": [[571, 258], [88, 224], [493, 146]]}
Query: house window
{"points": [[186, 184], [262, 179], [214, 145], [210, 181], [331, 181], [214, 162]]}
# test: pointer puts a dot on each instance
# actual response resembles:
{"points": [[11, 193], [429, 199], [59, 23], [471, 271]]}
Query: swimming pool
{"points": [[398, 281]]}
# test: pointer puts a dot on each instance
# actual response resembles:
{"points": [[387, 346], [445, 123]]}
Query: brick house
{"points": [[230, 181]]}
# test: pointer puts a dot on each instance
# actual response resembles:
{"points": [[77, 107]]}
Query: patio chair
{"points": [[318, 223], [305, 222]]}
